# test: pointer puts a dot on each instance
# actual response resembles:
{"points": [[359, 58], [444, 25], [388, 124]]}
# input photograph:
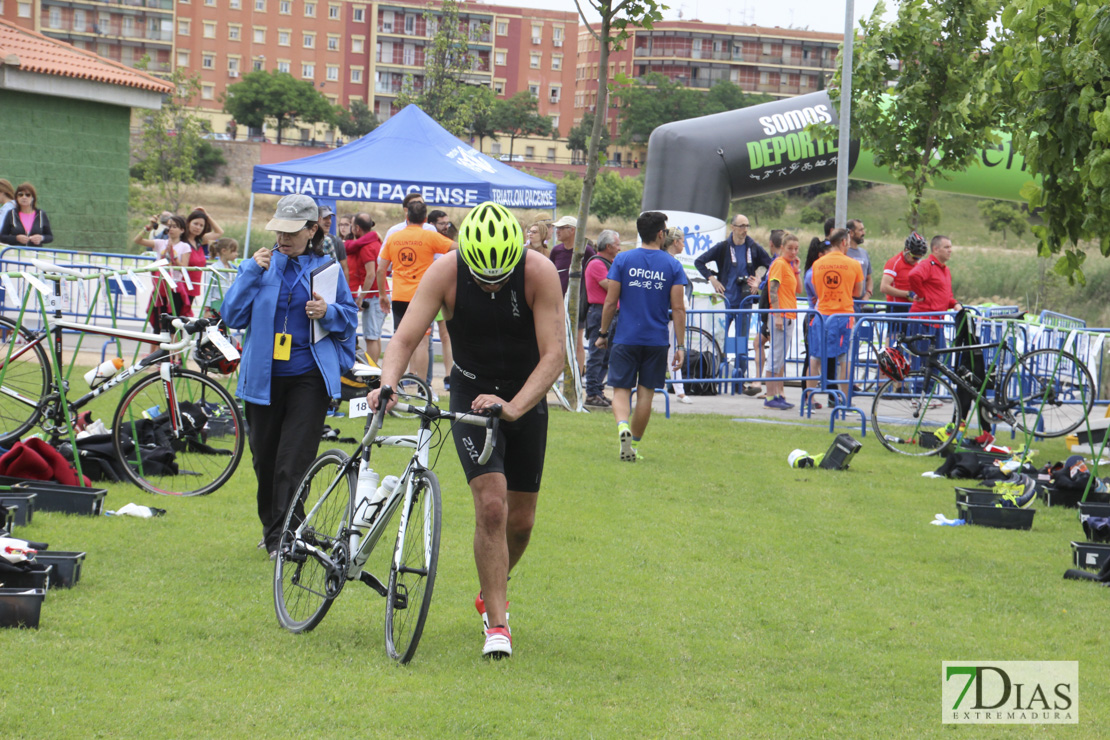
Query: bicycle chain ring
{"points": [[338, 574]]}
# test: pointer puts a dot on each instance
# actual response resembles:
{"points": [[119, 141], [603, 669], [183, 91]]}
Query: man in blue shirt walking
{"points": [[648, 284]]}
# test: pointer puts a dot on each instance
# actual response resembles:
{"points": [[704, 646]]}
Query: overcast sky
{"points": [[816, 15]]}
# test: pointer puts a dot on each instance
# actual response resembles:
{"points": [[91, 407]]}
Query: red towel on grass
{"points": [[35, 459]]}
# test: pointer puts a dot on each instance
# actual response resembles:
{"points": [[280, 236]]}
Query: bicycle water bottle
{"points": [[389, 484], [365, 496], [103, 371]]}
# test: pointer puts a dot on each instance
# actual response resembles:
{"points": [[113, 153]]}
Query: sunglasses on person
{"points": [[740, 226]]}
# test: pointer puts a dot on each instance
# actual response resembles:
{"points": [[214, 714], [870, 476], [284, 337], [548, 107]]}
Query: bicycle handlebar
{"points": [[489, 418], [189, 329]]}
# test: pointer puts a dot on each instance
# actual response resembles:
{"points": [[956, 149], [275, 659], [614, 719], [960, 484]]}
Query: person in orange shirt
{"points": [[410, 252], [838, 280], [782, 293]]}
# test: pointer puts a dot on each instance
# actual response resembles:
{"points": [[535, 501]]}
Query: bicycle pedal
{"points": [[373, 583]]}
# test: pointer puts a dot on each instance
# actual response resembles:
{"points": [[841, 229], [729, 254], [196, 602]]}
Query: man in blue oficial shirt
{"points": [[647, 282]]}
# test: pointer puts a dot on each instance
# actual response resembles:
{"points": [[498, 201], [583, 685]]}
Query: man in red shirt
{"points": [[895, 283], [362, 262], [931, 282]]}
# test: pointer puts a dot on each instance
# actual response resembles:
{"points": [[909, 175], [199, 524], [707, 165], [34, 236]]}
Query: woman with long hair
{"points": [[26, 224], [7, 198], [818, 248], [536, 238], [175, 250], [200, 232]]}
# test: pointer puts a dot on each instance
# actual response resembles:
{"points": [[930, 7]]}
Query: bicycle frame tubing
{"points": [[933, 364], [420, 443]]}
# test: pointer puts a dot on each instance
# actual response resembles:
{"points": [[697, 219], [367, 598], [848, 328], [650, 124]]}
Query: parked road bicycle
{"points": [[171, 409], [329, 534], [1044, 392]]}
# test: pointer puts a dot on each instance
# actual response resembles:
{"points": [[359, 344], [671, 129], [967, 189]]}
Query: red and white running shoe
{"points": [[480, 605], [499, 643]]}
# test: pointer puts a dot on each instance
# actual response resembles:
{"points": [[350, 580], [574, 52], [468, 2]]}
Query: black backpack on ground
{"points": [[700, 365]]}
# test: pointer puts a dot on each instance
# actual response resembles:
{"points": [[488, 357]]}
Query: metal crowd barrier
{"points": [[733, 360]]}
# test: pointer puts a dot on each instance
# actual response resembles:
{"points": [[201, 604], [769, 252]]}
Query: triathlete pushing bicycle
{"points": [[504, 311]]}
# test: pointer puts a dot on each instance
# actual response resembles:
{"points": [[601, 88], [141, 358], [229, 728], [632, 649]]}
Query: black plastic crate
{"points": [[67, 567], [60, 498], [1087, 509], [1000, 517], [7, 517], [1090, 555], [977, 496], [37, 577], [24, 505], [21, 607]]}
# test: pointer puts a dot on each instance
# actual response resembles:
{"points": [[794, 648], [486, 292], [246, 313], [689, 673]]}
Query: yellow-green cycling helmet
{"points": [[491, 242]]}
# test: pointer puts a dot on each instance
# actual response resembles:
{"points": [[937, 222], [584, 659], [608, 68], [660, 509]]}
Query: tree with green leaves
{"points": [[610, 32], [654, 99], [1053, 65], [770, 206], [616, 196], [356, 121], [171, 139], [725, 96], [519, 116], [1002, 216], [279, 97], [578, 138], [483, 124], [444, 93], [944, 105]]}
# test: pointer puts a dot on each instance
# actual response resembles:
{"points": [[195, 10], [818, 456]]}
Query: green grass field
{"points": [[708, 591]]}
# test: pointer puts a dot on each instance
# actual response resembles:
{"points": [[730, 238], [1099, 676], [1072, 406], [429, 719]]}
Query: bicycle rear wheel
{"points": [[186, 414], [411, 389], [907, 414], [1050, 393], [305, 586], [24, 380], [413, 572]]}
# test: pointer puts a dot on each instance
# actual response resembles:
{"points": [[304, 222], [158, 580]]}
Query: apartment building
{"points": [[122, 30], [780, 62], [350, 50]]}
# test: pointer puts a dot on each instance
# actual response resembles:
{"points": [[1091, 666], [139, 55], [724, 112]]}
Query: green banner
{"points": [[1000, 173]]}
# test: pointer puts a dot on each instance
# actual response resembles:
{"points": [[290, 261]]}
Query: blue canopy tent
{"points": [[408, 153]]}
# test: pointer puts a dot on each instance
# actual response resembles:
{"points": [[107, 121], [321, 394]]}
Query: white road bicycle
{"points": [[322, 548]]}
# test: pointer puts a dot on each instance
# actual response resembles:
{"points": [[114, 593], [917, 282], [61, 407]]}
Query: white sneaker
{"points": [[684, 399], [499, 643]]}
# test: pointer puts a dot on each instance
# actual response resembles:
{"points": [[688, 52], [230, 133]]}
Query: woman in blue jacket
{"points": [[285, 379]]}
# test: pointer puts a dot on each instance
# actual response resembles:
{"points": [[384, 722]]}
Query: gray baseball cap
{"points": [[293, 212]]}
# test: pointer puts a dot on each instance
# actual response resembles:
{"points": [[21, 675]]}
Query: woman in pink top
{"points": [[26, 224], [200, 232]]}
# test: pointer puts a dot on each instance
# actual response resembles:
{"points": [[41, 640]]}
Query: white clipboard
{"points": [[324, 281]]}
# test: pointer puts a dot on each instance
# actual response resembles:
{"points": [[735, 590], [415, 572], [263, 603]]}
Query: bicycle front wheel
{"points": [[906, 415], [178, 437], [24, 380], [1050, 393], [411, 389], [314, 552], [413, 572]]}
